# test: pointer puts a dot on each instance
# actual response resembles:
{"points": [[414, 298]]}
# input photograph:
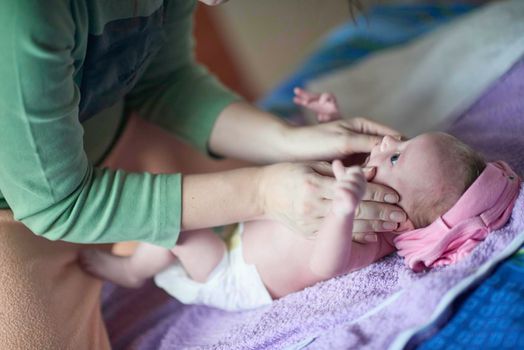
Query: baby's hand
{"points": [[350, 188], [324, 104]]}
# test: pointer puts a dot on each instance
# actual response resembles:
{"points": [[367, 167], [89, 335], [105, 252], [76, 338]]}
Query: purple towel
{"points": [[370, 308]]}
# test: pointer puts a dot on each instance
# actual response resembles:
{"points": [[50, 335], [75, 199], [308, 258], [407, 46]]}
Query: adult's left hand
{"points": [[245, 132], [377, 212], [335, 140]]}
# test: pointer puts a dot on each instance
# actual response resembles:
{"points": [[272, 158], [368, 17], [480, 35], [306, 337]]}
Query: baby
{"points": [[452, 198]]}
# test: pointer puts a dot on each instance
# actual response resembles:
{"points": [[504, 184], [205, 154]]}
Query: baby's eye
{"points": [[394, 158]]}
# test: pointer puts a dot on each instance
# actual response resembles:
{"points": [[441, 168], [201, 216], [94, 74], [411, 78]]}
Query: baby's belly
{"points": [[280, 255]]}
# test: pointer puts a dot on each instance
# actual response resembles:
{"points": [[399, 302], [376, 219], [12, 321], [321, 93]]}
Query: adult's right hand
{"points": [[377, 211], [297, 194]]}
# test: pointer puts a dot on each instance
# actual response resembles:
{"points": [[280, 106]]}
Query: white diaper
{"points": [[233, 285]]}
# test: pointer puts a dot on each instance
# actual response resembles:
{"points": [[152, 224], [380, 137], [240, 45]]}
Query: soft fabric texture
{"points": [[233, 285], [340, 313], [491, 317], [398, 84], [485, 206], [46, 301]]}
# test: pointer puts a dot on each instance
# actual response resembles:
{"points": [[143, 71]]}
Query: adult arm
{"points": [[180, 95], [267, 139], [175, 92], [45, 176]]}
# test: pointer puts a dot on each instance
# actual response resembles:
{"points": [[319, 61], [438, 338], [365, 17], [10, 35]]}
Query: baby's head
{"points": [[430, 172], [452, 197]]}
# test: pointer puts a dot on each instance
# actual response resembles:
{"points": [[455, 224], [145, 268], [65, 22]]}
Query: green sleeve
{"points": [[175, 92], [44, 174]]}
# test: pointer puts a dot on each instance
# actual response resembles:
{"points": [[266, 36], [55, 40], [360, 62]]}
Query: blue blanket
{"points": [[490, 317]]}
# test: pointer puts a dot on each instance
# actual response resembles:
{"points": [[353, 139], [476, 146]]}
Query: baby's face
{"points": [[414, 168]]}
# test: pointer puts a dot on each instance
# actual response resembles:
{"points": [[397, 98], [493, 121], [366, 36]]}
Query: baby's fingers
{"points": [[305, 95], [353, 174]]}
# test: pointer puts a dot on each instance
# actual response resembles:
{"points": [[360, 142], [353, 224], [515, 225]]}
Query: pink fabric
{"points": [[485, 206]]}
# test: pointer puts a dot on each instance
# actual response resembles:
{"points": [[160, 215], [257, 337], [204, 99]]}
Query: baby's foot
{"points": [[107, 266], [351, 185]]}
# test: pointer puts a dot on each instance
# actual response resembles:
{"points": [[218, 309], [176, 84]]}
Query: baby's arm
{"points": [[332, 251], [199, 251], [335, 253]]}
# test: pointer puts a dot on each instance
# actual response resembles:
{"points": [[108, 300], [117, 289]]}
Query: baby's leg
{"points": [[199, 252], [128, 271]]}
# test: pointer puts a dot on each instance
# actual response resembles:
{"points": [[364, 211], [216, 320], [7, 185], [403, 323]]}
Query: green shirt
{"points": [[62, 61]]}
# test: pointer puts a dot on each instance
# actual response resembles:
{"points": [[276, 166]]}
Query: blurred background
{"points": [[252, 44]]}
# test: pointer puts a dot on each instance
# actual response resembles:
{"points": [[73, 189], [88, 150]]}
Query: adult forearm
{"points": [[242, 131], [221, 198], [245, 132]]}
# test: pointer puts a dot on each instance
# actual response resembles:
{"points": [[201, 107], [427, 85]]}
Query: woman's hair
{"points": [[468, 164]]}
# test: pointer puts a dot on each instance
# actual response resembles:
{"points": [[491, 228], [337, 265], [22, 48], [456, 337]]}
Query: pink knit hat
{"points": [[485, 206]]}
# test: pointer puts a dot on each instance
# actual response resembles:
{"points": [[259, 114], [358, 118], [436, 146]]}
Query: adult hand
{"points": [[336, 139], [266, 138], [377, 211], [297, 194]]}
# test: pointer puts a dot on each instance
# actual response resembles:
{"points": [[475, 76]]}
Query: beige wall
{"points": [[270, 37]]}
